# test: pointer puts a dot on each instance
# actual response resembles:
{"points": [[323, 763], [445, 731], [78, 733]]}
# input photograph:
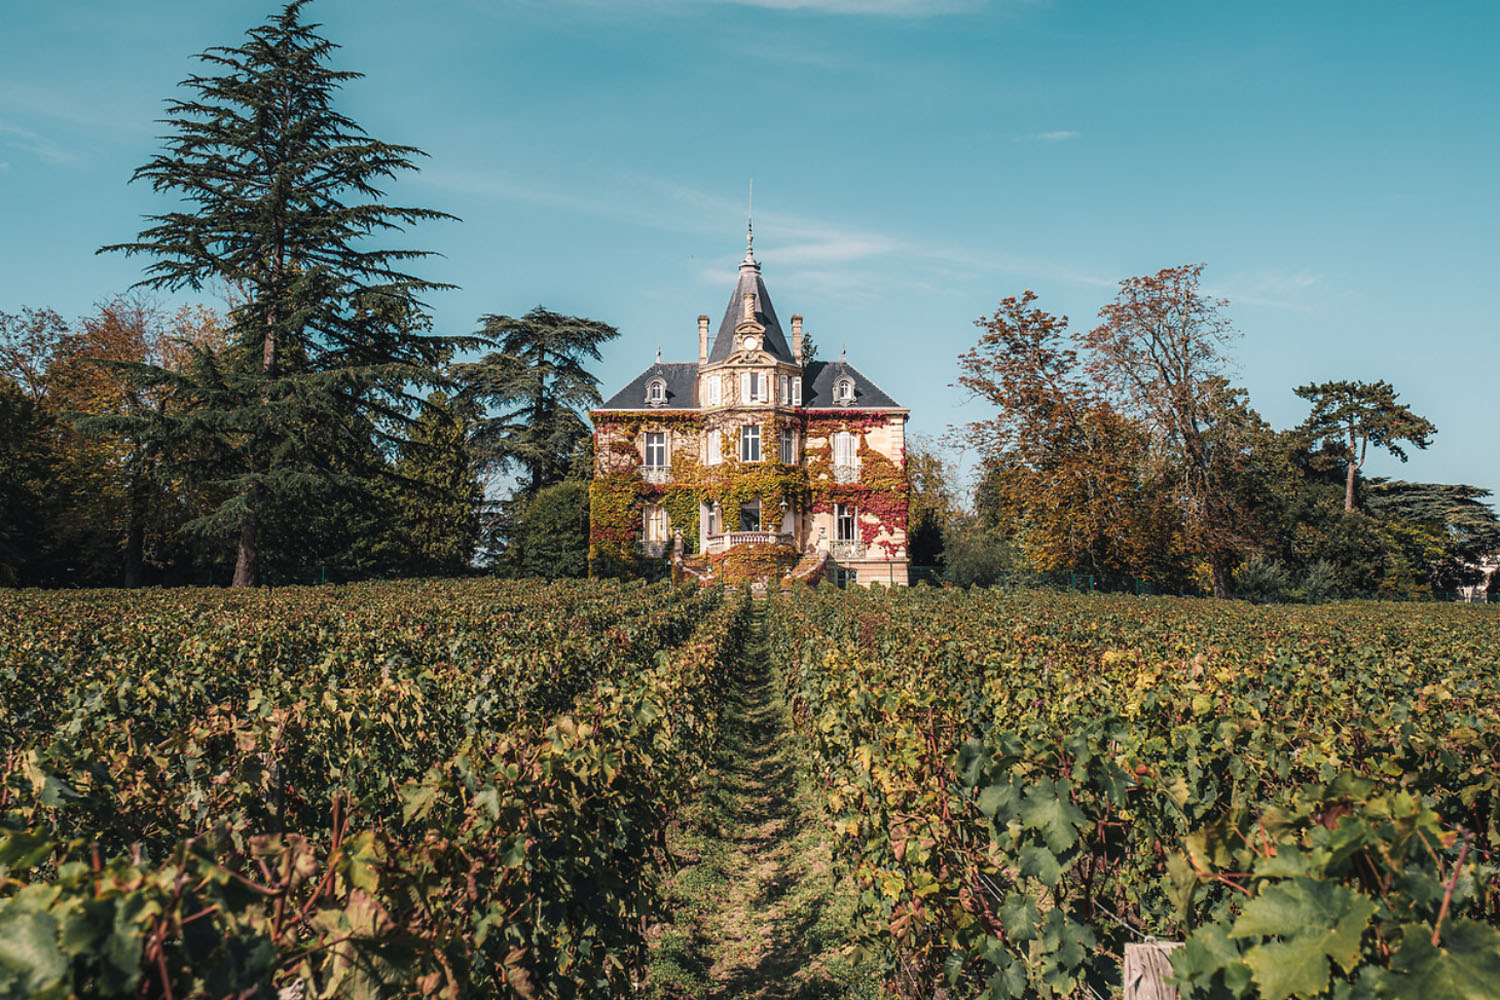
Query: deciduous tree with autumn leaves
{"points": [[1125, 450]]}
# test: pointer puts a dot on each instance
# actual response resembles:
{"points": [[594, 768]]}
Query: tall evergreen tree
{"points": [[440, 495], [1350, 416], [537, 379], [281, 199]]}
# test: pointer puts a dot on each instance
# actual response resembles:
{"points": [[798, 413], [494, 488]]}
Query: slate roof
{"points": [[818, 378], [774, 341], [682, 386]]}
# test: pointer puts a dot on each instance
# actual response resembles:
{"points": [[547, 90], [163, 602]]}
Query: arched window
{"points": [[843, 390], [656, 391]]}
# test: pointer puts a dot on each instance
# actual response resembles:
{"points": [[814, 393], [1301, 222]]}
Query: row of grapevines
{"points": [[503, 854], [146, 717], [1025, 782]]}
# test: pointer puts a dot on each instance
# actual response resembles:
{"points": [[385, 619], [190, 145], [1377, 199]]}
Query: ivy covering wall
{"points": [[620, 493]]}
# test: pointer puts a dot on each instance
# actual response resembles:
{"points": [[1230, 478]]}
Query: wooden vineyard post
{"points": [[1147, 968]]}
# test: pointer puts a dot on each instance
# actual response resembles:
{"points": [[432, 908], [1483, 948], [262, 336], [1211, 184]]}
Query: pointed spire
{"points": [[750, 260]]}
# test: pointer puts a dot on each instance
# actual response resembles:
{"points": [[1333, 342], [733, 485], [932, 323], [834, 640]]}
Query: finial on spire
{"points": [[750, 226], [658, 354], [843, 354]]}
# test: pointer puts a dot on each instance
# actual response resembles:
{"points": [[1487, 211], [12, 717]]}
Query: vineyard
{"points": [[1024, 783], [482, 788], [418, 789]]}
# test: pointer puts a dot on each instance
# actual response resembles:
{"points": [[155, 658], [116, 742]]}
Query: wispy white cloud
{"points": [[837, 258], [36, 144], [1297, 291], [1060, 135]]}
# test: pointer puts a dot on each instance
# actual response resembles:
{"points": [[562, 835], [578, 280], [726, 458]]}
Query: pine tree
{"points": [[538, 380], [1350, 416], [281, 202], [440, 497]]}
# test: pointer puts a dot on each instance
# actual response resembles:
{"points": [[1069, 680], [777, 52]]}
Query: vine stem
{"points": [[1463, 852]]}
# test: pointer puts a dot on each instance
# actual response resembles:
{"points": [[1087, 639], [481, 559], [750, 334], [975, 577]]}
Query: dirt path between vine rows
{"points": [[759, 910]]}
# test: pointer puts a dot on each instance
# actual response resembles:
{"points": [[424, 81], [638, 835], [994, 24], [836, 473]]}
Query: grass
{"points": [[759, 909]]}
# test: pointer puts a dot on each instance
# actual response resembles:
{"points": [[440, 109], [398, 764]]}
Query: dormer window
{"points": [[843, 391], [656, 391]]}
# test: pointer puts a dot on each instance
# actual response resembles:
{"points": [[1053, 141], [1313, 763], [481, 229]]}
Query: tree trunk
{"points": [[1221, 576], [135, 540], [135, 531], [1349, 487], [244, 560]]}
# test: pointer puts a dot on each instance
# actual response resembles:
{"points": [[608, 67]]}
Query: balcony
{"points": [[658, 474], [714, 544], [847, 473], [848, 550]]}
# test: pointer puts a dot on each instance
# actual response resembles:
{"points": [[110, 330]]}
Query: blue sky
{"points": [[1334, 164]]}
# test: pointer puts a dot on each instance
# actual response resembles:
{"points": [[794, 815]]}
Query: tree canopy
{"points": [[1347, 417], [280, 196], [537, 379], [1126, 452]]}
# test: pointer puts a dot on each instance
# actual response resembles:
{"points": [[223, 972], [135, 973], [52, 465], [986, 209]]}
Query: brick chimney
{"points": [[797, 338], [703, 340]]}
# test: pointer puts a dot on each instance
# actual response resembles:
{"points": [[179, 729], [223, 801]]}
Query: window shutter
{"points": [[797, 391], [744, 387], [786, 390], [714, 448]]}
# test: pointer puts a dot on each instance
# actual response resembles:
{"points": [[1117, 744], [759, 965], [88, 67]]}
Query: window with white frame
{"points": [[656, 391], [655, 523], [796, 390], [750, 443], [843, 390], [788, 447], [714, 387], [754, 387], [713, 447], [784, 385], [843, 522], [656, 450], [845, 451]]}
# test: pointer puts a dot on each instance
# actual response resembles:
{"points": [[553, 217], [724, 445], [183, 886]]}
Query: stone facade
{"points": [[753, 456]]}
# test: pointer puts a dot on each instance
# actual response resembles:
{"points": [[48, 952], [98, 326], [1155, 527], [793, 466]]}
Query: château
{"points": [[753, 462]]}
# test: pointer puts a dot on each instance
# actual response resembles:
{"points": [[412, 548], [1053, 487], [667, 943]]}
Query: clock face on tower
{"points": [[750, 343]]}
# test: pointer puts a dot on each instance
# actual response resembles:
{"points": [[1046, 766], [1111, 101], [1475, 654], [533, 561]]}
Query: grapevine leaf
{"points": [[1019, 915], [1464, 966], [417, 800], [1045, 807], [1208, 953], [20, 849], [1325, 917], [992, 797], [1041, 864], [28, 947], [1284, 968]]}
